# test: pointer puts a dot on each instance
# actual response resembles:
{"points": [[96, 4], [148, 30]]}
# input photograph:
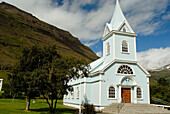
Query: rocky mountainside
{"points": [[163, 72], [19, 29], [166, 67]]}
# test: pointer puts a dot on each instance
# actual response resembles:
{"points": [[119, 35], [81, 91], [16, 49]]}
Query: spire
{"points": [[118, 18]]}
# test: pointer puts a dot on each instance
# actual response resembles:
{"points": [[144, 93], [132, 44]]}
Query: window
{"points": [[124, 29], [72, 93], [77, 92], [111, 92], [124, 46], [124, 69], [69, 95], [139, 92], [108, 48]]}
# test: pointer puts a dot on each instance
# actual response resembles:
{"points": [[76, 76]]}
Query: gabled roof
{"points": [[119, 18], [100, 67]]}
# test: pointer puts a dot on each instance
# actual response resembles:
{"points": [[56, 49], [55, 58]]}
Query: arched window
{"points": [[124, 46], [77, 92], [111, 92], [124, 69], [139, 92], [108, 48]]}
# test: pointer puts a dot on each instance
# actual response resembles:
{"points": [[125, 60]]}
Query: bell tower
{"points": [[119, 39]]}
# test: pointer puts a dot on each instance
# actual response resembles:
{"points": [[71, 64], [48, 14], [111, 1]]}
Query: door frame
{"points": [[130, 94]]}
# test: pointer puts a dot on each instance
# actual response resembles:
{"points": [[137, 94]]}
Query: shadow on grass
{"points": [[57, 111]]}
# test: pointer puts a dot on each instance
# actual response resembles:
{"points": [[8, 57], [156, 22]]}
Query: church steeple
{"points": [[119, 40], [118, 19]]}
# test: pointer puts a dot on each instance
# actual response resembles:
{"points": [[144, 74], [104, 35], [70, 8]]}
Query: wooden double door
{"points": [[126, 95]]}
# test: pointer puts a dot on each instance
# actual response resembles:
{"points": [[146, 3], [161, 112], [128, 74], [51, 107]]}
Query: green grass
{"points": [[40, 107]]}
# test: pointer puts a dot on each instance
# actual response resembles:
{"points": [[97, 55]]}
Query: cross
{"points": [[127, 79]]}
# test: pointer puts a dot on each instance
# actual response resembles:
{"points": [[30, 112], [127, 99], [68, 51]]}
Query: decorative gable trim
{"points": [[106, 30], [118, 32], [120, 61], [148, 75], [128, 26]]}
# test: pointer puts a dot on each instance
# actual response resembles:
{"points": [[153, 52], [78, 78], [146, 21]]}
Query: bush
{"points": [[88, 109]]}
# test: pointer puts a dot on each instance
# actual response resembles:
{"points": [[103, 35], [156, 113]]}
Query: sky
{"points": [[86, 19]]}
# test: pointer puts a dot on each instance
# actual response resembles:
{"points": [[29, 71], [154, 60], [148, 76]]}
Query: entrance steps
{"points": [[111, 109], [128, 108]]}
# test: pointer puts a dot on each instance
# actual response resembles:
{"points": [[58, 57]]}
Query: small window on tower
{"points": [[124, 46], [108, 48], [124, 29]]}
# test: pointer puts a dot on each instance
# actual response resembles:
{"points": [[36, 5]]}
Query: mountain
{"points": [[19, 29], [163, 72], [166, 67]]}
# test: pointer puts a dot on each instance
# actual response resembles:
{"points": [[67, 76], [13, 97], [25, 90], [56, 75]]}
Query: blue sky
{"points": [[86, 19]]}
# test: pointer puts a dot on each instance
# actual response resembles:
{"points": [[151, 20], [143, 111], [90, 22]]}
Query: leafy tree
{"points": [[161, 90], [22, 74], [54, 76], [41, 70], [162, 81]]}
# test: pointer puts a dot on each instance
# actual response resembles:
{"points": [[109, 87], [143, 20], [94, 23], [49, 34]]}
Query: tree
{"points": [[41, 70], [54, 76], [22, 74], [161, 90]]}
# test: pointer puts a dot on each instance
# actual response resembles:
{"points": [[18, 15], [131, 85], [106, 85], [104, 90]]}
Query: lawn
{"points": [[39, 107]]}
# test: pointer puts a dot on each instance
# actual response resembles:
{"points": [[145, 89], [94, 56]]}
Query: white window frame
{"points": [[72, 94], [115, 92], [127, 47], [141, 93], [68, 94], [125, 74], [78, 92]]}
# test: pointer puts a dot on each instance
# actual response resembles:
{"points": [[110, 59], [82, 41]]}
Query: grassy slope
{"points": [[158, 74], [19, 29], [18, 106]]}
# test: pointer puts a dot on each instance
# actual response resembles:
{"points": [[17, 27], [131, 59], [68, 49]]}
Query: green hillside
{"points": [[155, 75], [19, 29]]}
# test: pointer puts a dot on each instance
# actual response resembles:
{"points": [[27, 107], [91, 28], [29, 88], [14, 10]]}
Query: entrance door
{"points": [[126, 95]]}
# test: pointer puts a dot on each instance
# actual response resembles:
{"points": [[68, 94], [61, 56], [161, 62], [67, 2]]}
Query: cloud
{"points": [[145, 15], [154, 58], [166, 17], [91, 43], [89, 25], [99, 54]]}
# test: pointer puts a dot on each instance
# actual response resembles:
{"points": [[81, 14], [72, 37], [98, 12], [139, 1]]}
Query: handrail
{"points": [[163, 106], [119, 106]]}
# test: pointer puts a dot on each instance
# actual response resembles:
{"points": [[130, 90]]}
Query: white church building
{"points": [[117, 77]]}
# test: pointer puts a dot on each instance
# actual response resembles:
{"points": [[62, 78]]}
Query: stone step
{"points": [[142, 108], [134, 109]]}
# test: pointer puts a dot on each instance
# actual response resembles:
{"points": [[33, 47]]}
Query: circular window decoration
{"points": [[124, 69]]}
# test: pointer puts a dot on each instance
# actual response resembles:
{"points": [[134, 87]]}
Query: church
{"points": [[117, 77]]}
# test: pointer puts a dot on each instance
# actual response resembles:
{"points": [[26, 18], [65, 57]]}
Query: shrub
{"points": [[88, 109]]}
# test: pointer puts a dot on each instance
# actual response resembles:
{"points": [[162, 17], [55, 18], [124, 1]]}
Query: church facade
{"points": [[117, 77]]}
